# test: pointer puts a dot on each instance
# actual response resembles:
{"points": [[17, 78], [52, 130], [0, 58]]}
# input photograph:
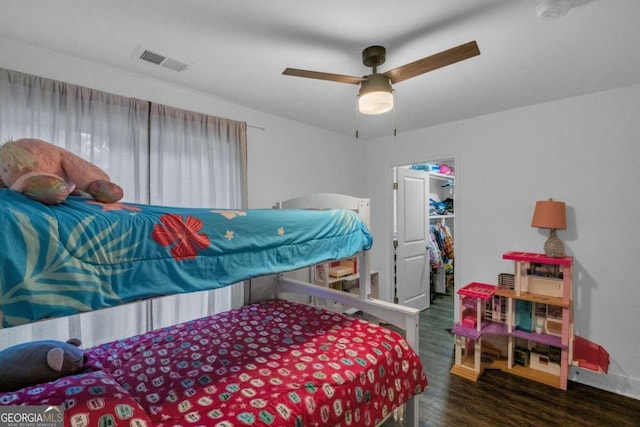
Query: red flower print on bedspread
{"points": [[183, 234]]}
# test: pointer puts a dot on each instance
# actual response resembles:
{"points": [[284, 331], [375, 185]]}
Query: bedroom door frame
{"points": [[449, 159]]}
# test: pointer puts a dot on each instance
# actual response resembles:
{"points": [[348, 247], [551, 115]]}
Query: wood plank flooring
{"points": [[501, 399]]}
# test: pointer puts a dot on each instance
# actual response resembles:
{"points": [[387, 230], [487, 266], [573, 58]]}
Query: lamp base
{"points": [[553, 247]]}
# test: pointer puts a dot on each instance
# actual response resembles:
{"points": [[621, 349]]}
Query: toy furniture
{"points": [[524, 327]]}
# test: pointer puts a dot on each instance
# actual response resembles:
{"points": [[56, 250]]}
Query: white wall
{"points": [[583, 151], [286, 159]]}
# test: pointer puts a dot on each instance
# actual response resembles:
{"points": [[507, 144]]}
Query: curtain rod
{"points": [[256, 127]]}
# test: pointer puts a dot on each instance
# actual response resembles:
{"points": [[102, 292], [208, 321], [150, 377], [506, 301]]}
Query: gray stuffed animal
{"points": [[39, 362]]}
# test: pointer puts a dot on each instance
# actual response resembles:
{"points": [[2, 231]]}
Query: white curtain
{"points": [[196, 160], [108, 130], [159, 155]]}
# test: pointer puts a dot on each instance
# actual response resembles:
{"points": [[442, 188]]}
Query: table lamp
{"points": [[552, 215]]}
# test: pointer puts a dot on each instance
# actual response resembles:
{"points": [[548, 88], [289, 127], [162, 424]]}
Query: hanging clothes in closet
{"points": [[441, 252], [440, 244]]}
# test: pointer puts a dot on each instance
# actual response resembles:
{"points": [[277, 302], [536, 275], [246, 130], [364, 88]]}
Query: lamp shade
{"points": [[375, 95], [550, 214]]}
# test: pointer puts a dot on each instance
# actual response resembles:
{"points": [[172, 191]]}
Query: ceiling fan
{"points": [[376, 94]]}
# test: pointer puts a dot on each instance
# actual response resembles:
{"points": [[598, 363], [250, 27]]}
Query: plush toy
{"points": [[39, 362], [48, 173]]}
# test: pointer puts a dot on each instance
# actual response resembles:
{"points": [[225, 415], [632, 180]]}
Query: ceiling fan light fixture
{"points": [[375, 95]]}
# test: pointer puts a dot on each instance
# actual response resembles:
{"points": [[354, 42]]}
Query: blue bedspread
{"points": [[83, 255]]}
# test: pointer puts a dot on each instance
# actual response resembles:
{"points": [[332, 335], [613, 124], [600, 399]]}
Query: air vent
{"points": [[160, 60]]}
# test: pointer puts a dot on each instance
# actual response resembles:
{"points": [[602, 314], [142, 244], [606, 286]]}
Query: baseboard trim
{"points": [[612, 382]]}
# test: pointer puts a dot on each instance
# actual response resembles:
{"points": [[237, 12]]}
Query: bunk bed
{"points": [[274, 362]]}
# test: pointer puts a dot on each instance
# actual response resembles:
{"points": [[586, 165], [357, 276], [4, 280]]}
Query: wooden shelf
{"points": [[527, 296], [349, 283]]}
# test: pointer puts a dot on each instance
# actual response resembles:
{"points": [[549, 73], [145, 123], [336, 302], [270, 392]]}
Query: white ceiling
{"points": [[238, 49]]}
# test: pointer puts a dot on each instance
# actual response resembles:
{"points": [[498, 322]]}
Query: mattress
{"points": [[275, 363], [83, 255]]}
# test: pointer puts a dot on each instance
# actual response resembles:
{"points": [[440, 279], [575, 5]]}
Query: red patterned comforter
{"points": [[275, 363]]}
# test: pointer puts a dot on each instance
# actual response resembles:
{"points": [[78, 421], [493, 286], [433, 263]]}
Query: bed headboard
{"points": [[329, 200], [340, 201]]}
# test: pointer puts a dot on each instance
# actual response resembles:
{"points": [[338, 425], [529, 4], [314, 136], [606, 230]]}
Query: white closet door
{"points": [[412, 260]]}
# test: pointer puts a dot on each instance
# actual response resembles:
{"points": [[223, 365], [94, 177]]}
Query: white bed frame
{"points": [[405, 318]]}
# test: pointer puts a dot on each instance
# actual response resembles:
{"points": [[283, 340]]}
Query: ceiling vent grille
{"points": [[163, 61]]}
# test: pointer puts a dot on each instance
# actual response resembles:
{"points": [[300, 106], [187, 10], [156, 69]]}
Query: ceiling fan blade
{"points": [[340, 78], [433, 62]]}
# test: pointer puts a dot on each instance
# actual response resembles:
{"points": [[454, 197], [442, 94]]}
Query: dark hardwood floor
{"points": [[502, 399]]}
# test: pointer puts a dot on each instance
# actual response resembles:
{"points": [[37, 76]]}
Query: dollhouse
{"points": [[523, 326]]}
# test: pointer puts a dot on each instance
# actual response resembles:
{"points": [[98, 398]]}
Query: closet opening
{"points": [[423, 263]]}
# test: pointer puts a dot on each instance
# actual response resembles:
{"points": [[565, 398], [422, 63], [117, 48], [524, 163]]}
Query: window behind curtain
{"points": [[187, 159], [108, 130], [196, 160]]}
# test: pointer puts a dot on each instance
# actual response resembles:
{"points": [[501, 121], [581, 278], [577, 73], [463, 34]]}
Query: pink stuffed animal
{"points": [[48, 173]]}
